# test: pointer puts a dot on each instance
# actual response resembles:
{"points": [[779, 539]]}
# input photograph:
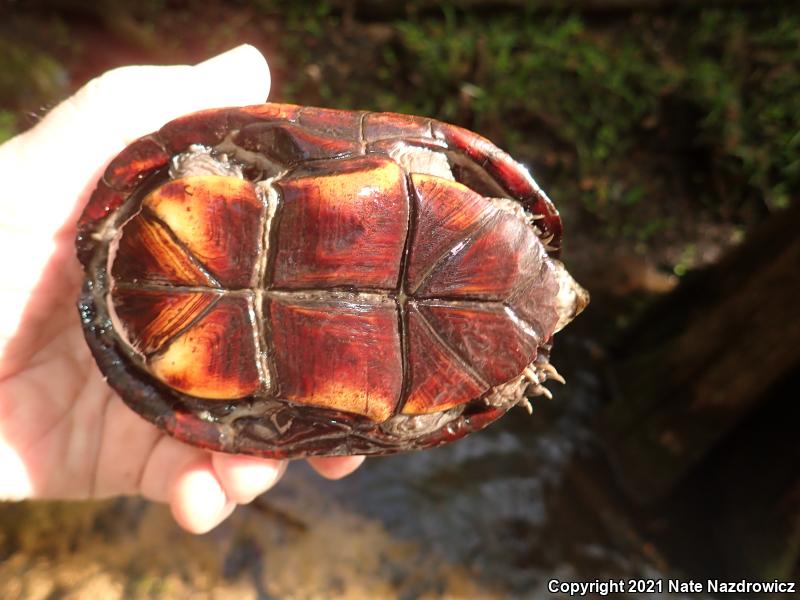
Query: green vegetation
{"points": [[645, 121], [30, 78], [639, 124], [7, 124]]}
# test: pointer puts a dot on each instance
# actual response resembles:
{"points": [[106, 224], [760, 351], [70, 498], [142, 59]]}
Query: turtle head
{"points": [[571, 299]]}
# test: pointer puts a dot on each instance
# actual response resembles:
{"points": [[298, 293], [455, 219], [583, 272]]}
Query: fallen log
{"points": [[698, 363]]}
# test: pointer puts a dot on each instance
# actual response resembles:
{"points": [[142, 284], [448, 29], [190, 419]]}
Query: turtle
{"points": [[286, 281]]}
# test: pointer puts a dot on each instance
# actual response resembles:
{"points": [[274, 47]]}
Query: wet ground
{"points": [[497, 515]]}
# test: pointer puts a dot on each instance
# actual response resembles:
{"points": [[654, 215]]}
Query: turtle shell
{"points": [[286, 281]]}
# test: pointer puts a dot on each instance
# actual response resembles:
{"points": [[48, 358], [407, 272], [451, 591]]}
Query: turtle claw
{"points": [[531, 375], [552, 374], [537, 376], [526, 404]]}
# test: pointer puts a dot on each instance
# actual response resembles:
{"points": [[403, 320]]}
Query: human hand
{"points": [[63, 432]]}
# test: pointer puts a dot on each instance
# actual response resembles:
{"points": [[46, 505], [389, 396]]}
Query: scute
{"points": [[437, 377], [215, 359], [331, 122], [133, 164], [149, 319], [217, 219], [152, 254], [338, 353], [335, 282], [343, 223], [382, 126], [490, 264], [291, 144], [446, 213], [485, 336]]}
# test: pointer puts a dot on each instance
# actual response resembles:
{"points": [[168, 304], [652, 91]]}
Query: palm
{"points": [[49, 384], [63, 432], [77, 437]]}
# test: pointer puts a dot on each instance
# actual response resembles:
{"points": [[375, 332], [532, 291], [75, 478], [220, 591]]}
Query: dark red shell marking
{"points": [[505, 170], [155, 317], [350, 356], [209, 372], [384, 294], [343, 223]]}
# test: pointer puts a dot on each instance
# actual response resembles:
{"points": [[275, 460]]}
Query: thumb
{"points": [[80, 135], [132, 101]]}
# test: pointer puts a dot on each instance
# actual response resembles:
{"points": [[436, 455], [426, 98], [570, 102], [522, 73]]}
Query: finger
{"points": [[131, 101], [197, 500], [168, 459], [335, 467], [127, 443], [85, 131], [245, 477], [184, 477]]}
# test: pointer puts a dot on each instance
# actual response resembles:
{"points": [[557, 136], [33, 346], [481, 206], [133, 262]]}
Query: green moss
{"points": [[26, 73], [634, 119], [8, 125], [638, 123]]}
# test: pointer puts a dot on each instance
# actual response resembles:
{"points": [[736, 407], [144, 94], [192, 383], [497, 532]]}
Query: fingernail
{"points": [[243, 66]]}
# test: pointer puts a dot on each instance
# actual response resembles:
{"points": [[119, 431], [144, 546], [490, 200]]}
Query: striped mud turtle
{"points": [[286, 281]]}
